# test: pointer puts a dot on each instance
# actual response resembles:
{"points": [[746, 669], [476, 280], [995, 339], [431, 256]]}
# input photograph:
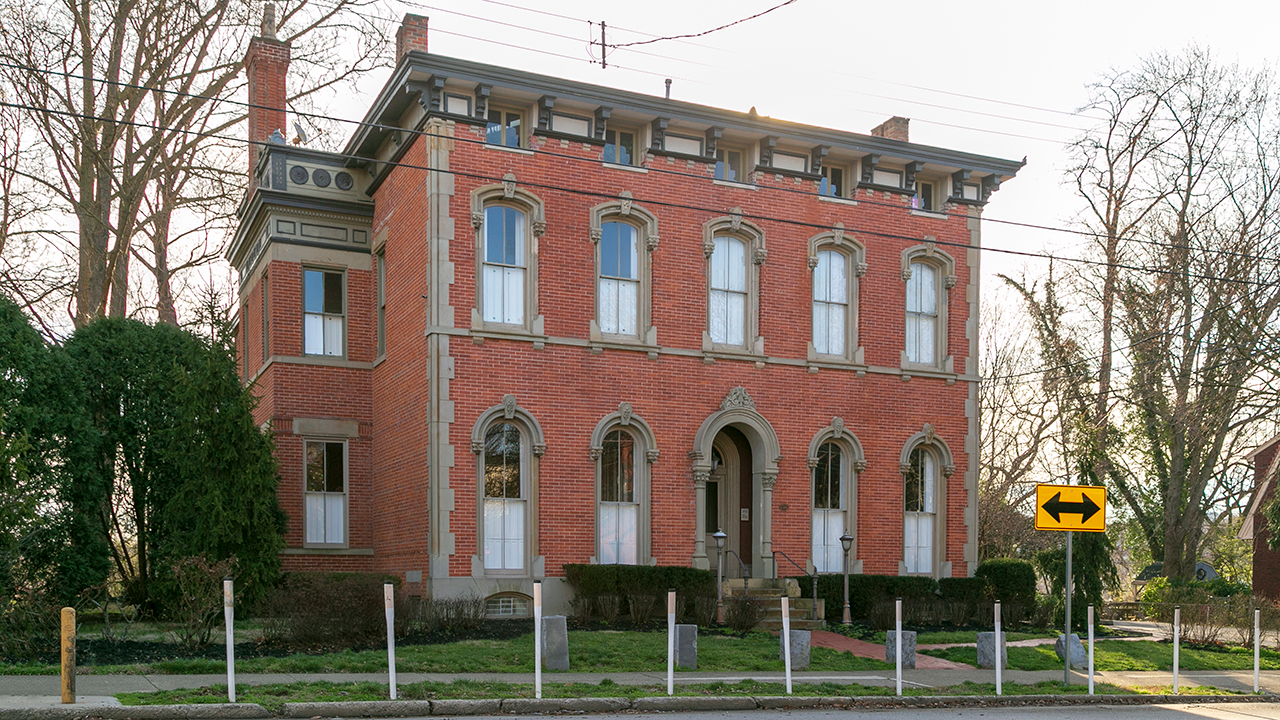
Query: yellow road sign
{"points": [[1071, 507]]}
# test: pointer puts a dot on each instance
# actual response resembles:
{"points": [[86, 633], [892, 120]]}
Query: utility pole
{"points": [[603, 62]]}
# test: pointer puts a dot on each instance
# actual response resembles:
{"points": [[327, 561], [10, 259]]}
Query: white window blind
{"points": [[919, 514], [504, 265], [619, 279], [830, 303], [828, 509], [922, 314], [323, 316], [727, 319]]}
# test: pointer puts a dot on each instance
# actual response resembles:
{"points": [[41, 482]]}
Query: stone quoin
{"points": [[519, 322]]}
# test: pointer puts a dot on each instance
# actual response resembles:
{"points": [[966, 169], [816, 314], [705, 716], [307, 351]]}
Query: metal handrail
{"points": [[741, 566], [812, 577]]}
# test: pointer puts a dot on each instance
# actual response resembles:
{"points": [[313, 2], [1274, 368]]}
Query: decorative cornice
{"points": [[859, 466], [700, 479], [509, 404], [651, 456], [949, 281], [767, 481], [904, 468], [624, 413], [509, 185]]}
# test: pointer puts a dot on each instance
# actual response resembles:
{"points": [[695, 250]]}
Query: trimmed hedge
{"points": [[971, 590], [1011, 580], [592, 581], [865, 591]]}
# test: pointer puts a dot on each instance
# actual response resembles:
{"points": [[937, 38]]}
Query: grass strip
{"points": [[1135, 655], [589, 651], [274, 697]]}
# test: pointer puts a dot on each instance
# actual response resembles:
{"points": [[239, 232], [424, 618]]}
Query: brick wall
{"points": [[568, 389], [1266, 562]]}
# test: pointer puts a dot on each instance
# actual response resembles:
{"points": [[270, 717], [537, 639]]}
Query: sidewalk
{"points": [[43, 690]]}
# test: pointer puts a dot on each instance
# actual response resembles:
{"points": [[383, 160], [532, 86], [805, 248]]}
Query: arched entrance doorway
{"points": [[735, 464]]}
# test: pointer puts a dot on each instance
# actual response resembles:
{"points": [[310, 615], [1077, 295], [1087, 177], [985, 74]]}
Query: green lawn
{"points": [[1125, 655], [273, 697], [589, 651]]}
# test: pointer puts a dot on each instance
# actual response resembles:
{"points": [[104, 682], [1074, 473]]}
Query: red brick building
{"points": [[1266, 562], [521, 321]]}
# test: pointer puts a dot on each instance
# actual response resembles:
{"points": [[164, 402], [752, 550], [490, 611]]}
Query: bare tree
{"points": [[122, 94], [1019, 422], [1181, 181]]}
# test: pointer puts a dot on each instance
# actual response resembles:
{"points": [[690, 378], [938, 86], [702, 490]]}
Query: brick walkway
{"points": [[862, 648]]}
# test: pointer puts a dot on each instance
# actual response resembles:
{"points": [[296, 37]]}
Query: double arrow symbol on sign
{"points": [[1087, 508]]}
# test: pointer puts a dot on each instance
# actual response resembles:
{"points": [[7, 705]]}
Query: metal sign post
{"points": [[1066, 636], [389, 601], [1070, 508]]}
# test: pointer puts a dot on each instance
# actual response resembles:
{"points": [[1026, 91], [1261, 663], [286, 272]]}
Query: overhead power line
{"points": [[704, 32], [660, 170], [866, 232]]}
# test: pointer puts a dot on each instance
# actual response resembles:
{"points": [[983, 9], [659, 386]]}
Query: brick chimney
{"points": [[412, 35], [895, 128], [266, 64]]}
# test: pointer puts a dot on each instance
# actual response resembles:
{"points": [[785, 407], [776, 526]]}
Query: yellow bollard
{"points": [[68, 655]]}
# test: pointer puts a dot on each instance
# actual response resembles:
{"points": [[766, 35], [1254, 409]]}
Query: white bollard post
{"points": [[897, 646], [229, 615], [671, 642], [537, 640], [999, 646], [786, 638], [1177, 629], [1257, 644], [389, 599], [1090, 649]]}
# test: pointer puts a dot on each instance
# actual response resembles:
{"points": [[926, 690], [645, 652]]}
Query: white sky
{"points": [[848, 65]]}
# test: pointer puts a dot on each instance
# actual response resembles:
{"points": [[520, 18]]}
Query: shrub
{"points": [[331, 610], [436, 615], [865, 591], [1010, 580], [965, 590], [603, 587], [198, 601], [29, 626], [743, 613]]}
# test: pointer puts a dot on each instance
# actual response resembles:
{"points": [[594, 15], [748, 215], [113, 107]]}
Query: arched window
{"points": [[919, 516], [505, 265], [508, 221], [622, 447], [619, 521], [619, 290], [929, 275], [727, 314], [828, 508], [831, 303], [505, 513]]}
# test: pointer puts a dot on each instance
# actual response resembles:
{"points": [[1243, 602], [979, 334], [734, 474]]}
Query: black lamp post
{"points": [[720, 537], [846, 540]]}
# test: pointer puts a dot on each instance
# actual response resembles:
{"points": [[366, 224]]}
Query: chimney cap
{"points": [[269, 21]]}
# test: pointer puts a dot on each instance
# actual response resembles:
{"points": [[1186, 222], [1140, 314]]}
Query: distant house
{"points": [[1266, 562]]}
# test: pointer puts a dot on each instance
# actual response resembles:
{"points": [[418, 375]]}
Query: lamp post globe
{"points": [[720, 537], [846, 541]]}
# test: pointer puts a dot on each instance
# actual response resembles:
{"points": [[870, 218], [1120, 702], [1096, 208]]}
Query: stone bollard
{"points": [[799, 649], [1078, 657], [908, 647], [555, 643], [687, 646], [987, 651]]}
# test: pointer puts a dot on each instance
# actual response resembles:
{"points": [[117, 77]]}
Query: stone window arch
{"points": [[735, 250], [926, 464], [624, 236], [837, 262], [929, 276], [623, 448], [509, 223], [508, 444], [835, 462]]}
